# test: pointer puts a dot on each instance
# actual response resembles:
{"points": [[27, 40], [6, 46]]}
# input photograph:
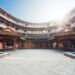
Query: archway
{"points": [[68, 43], [9, 43]]}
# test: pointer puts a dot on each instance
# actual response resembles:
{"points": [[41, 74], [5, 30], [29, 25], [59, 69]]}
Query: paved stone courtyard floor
{"points": [[37, 62]]}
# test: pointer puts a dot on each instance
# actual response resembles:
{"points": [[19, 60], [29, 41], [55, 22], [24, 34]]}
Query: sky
{"points": [[38, 11]]}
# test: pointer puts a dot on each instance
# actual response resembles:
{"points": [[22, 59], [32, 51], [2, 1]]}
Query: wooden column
{"points": [[14, 45], [4, 44], [24, 43]]}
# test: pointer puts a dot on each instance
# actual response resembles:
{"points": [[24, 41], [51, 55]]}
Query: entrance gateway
{"points": [[36, 43], [8, 39]]}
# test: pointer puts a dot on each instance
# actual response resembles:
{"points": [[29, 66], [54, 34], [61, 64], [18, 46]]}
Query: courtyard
{"points": [[36, 62]]}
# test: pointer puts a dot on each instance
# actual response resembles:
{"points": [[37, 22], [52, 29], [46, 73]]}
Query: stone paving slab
{"points": [[37, 62]]}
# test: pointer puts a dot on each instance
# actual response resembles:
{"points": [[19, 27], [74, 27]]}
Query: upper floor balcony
{"points": [[13, 21], [19, 22], [36, 36], [36, 32]]}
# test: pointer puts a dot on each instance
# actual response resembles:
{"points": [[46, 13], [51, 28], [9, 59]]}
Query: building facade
{"points": [[15, 33], [65, 39]]}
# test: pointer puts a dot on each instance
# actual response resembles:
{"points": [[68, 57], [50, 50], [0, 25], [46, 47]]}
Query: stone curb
{"points": [[3, 54], [69, 55]]}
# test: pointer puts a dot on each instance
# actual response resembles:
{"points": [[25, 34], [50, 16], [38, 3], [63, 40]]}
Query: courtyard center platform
{"points": [[36, 62]]}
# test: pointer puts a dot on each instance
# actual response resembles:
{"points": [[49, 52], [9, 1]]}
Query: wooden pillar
{"points": [[60, 44], [14, 45], [4, 44], [69, 44], [24, 43]]}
